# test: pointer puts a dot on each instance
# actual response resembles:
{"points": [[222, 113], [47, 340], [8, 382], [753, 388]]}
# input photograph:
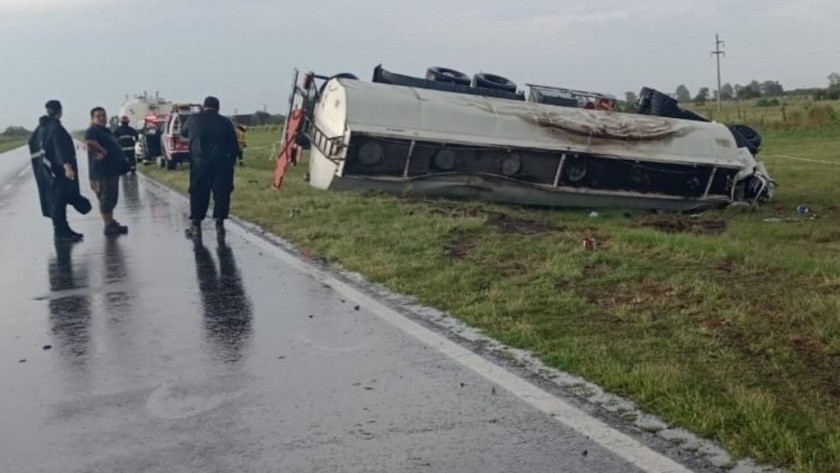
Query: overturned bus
{"points": [[449, 136]]}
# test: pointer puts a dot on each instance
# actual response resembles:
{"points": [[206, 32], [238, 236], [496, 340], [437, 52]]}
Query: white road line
{"points": [[619, 443], [611, 439]]}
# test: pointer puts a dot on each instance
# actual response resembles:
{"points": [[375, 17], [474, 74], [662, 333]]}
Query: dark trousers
{"points": [[129, 156], [58, 203], [210, 175], [56, 193]]}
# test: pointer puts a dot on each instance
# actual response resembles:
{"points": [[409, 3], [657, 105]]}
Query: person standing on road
{"points": [[242, 140], [106, 162], [213, 149], [56, 172], [127, 137]]}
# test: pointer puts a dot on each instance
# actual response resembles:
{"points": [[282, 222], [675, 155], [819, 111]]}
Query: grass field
{"points": [[726, 324], [7, 144], [792, 112]]}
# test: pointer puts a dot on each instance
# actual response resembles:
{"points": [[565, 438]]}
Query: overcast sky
{"points": [[94, 52]]}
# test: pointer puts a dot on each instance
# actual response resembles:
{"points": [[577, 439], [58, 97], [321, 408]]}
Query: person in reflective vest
{"points": [[127, 137], [56, 172]]}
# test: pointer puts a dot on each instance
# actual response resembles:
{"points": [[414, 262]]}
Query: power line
{"points": [[718, 52]]}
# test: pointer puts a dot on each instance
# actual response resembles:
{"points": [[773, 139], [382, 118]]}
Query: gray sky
{"points": [[93, 52]]}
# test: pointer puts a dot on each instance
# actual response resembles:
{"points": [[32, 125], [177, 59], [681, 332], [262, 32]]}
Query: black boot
{"points": [[64, 234], [194, 231]]}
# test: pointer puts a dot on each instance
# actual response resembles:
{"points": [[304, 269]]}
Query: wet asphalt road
{"points": [[172, 357]]}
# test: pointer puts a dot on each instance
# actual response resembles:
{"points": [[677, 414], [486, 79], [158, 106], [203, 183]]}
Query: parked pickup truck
{"points": [[176, 149]]}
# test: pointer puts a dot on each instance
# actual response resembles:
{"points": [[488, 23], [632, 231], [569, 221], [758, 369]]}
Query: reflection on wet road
{"points": [[147, 352], [69, 310], [227, 309]]}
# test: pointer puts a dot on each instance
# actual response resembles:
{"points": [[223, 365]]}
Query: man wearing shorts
{"points": [[106, 162]]}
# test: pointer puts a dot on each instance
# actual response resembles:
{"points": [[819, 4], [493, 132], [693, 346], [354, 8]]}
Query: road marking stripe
{"points": [[613, 440], [619, 443]]}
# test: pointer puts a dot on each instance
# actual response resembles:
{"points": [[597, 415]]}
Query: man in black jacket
{"points": [[56, 172], [213, 150], [127, 136]]}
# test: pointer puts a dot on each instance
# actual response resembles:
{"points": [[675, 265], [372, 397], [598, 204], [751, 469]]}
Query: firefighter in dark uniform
{"points": [[127, 137], [213, 149], [56, 172]]}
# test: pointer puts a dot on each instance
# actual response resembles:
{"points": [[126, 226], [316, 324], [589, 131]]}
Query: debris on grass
{"points": [[685, 225]]}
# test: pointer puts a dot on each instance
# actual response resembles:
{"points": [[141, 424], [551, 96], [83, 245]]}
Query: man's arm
{"points": [[65, 151], [90, 141], [98, 151], [233, 142]]}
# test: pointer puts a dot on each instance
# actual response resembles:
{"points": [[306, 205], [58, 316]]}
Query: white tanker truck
{"points": [[451, 136], [138, 108]]}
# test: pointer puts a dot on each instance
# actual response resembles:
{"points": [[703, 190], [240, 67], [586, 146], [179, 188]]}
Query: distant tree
{"points": [[833, 79], [264, 118], [802, 92], [16, 131], [749, 91], [683, 95], [727, 92], [702, 95], [630, 97], [771, 88], [261, 118]]}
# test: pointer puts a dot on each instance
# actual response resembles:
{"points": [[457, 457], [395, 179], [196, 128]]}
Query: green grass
{"points": [[730, 327], [7, 143], [793, 112]]}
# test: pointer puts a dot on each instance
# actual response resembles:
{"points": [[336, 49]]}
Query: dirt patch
{"points": [[639, 295], [728, 266], [833, 237], [464, 246], [512, 268], [461, 245], [831, 289], [595, 270], [503, 222], [442, 207], [823, 364], [686, 225], [590, 271], [524, 226]]}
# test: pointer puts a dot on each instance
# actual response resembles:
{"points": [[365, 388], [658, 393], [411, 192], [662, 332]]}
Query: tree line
{"points": [[768, 89], [15, 132]]}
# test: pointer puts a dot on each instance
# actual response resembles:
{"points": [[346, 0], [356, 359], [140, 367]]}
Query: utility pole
{"points": [[718, 52]]}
